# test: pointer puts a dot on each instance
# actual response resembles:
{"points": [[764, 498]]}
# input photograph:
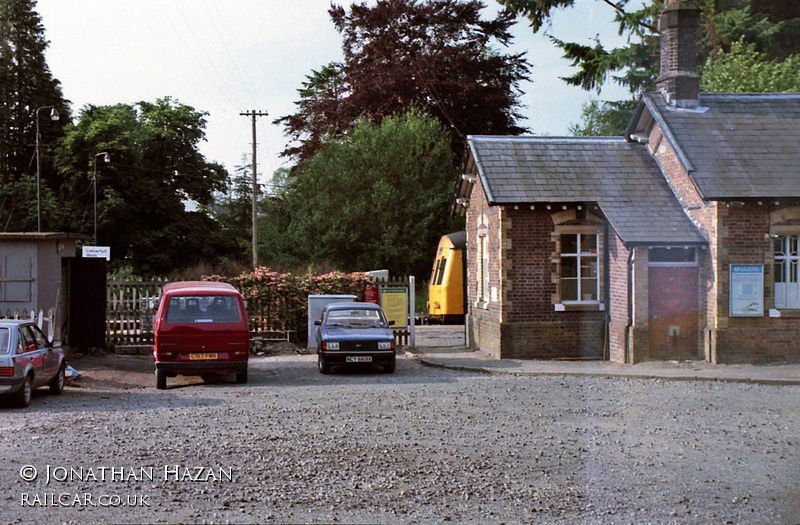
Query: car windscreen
{"points": [[203, 309], [355, 318], [5, 340]]}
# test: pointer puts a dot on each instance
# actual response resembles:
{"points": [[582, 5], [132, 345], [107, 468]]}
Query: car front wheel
{"points": [[324, 367], [389, 367], [57, 384], [23, 396]]}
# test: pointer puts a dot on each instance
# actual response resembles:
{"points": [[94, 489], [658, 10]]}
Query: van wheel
{"points": [[161, 380], [324, 368], [57, 384], [241, 377], [23, 396]]}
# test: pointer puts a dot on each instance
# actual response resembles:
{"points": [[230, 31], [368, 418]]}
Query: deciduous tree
{"points": [[155, 168], [376, 198]]}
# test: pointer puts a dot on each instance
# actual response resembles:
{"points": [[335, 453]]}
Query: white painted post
{"points": [[412, 310]]}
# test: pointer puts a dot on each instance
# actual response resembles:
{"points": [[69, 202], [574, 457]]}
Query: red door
{"points": [[673, 310]]}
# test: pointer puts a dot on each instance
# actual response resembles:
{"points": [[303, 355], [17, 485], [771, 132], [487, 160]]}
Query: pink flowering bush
{"points": [[279, 301]]}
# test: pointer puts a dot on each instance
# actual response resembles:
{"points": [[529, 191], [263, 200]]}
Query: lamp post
{"points": [[53, 116], [106, 158]]}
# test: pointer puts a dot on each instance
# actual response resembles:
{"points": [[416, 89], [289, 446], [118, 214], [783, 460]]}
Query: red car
{"points": [[28, 360], [201, 329]]}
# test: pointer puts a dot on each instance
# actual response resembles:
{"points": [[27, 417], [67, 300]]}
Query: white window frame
{"points": [[787, 292], [483, 268], [579, 255]]}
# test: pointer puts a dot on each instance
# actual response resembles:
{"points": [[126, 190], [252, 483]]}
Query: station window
{"points": [[787, 258], [579, 268], [672, 256], [483, 266]]}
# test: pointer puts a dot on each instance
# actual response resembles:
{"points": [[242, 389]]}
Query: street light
{"points": [[53, 116], [106, 158]]}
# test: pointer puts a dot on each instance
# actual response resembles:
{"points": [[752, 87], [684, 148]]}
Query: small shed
{"points": [[32, 276]]}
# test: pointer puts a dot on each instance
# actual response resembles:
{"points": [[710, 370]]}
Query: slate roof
{"points": [[736, 145], [619, 176]]}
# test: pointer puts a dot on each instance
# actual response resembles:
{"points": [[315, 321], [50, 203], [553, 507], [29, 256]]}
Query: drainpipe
{"points": [[628, 357], [607, 294]]}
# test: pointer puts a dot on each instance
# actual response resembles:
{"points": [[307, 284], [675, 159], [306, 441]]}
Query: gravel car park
{"points": [[423, 445]]}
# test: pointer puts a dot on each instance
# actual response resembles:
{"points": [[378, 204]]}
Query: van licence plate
{"points": [[198, 357], [358, 359]]}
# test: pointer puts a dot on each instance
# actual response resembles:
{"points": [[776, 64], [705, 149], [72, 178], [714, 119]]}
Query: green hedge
{"points": [[279, 301]]}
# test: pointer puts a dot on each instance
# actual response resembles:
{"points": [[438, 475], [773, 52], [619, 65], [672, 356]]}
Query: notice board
{"points": [[394, 302], [746, 290]]}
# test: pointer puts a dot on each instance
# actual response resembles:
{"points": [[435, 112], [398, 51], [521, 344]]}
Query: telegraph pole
{"points": [[253, 114]]}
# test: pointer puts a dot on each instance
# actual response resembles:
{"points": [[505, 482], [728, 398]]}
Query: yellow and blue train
{"points": [[447, 290]]}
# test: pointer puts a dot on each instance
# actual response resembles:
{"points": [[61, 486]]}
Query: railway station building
{"points": [[680, 240]]}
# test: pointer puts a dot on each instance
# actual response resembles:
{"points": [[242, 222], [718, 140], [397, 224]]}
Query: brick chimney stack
{"points": [[678, 80]]}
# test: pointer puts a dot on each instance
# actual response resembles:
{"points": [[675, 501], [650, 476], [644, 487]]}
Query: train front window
{"points": [[435, 271], [441, 271]]}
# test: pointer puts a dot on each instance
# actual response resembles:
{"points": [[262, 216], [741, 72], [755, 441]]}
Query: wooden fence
{"points": [[130, 311], [40, 319], [131, 308]]}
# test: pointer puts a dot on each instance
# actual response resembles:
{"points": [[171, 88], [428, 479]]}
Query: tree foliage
{"points": [[434, 55], [604, 119], [774, 32], [26, 85], [744, 69], [376, 198], [155, 167], [768, 33], [634, 66]]}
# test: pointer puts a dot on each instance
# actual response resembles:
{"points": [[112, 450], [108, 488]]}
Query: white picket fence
{"points": [[40, 319]]}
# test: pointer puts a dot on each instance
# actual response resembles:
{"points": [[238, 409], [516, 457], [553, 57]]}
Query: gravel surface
{"points": [[422, 445]]}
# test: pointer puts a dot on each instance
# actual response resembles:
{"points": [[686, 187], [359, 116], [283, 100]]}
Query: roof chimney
{"points": [[679, 81]]}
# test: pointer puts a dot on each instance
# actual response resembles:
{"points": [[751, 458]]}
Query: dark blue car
{"points": [[351, 333]]}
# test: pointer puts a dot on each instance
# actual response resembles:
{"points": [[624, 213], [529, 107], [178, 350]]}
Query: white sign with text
{"points": [[97, 251]]}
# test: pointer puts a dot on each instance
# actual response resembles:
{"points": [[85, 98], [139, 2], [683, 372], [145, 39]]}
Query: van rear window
{"points": [[203, 309]]}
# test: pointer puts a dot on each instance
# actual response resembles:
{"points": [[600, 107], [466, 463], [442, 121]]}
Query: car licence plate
{"points": [[198, 357], [358, 359]]}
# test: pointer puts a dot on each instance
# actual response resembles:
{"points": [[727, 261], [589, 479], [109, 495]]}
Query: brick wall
{"points": [[531, 328], [519, 320], [744, 239], [738, 233], [484, 319], [618, 299]]}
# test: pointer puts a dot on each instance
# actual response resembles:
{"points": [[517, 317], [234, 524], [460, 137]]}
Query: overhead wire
{"points": [[262, 174], [234, 61], [226, 90]]}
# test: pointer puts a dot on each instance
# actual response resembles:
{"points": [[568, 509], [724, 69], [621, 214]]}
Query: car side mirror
{"points": [[318, 322], [391, 323]]}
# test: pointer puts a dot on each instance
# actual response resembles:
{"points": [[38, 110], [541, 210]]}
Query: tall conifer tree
{"points": [[26, 84]]}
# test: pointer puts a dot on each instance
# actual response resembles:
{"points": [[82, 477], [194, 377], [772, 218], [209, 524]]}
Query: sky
{"points": [[233, 56]]}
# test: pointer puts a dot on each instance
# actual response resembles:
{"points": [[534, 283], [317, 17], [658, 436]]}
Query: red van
{"points": [[201, 329]]}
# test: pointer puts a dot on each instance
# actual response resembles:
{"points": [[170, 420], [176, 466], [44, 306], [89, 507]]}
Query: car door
{"points": [[35, 352], [50, 364]]}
